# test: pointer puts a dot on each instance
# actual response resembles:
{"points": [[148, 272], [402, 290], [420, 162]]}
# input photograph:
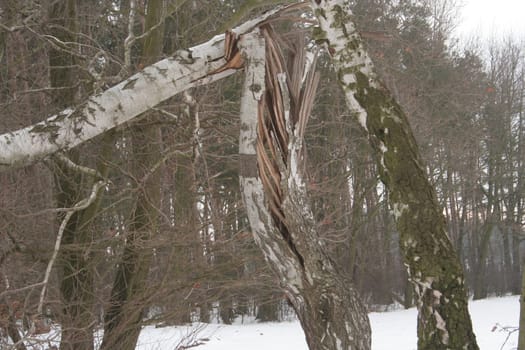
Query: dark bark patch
{"points": [[248, 165]]}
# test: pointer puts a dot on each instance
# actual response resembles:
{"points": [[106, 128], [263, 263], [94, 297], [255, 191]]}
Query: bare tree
{"points": [[438, 283], [124, 315]]}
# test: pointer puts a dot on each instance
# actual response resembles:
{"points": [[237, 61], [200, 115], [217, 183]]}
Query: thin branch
{"points": [[146, 33], [193, 107], [25, 22], [76, 167], [130, 39], [165, 112], [83, 204], [18, 290], [12, 28], [167, 155], [248, 6], [58, 44]]}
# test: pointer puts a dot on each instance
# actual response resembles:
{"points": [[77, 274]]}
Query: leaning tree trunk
{"points": [[433, 267], [271, 163]]}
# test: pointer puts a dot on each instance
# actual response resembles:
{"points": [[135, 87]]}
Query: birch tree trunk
{"points": [[433, 267], [328, 306]]}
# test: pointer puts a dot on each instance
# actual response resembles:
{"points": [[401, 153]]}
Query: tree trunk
{"points": [[515, 239], [433, 267], [128, 297], [76, 283], [521, 335], [480, 271], [328, 306], [185, 245]]}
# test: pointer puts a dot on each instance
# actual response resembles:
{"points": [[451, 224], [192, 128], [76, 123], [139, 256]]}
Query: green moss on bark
{"points": [[434, 269]]}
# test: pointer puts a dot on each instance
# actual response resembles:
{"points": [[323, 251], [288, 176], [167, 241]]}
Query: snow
{"points": [[494, 320], [390, 330], [256, 336]]}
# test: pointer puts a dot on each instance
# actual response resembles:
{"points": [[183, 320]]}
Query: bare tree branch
{"points": [[83, 204], [76, 167]]}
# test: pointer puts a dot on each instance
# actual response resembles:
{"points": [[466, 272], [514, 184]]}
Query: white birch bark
{"points": [[330, 311], [121, 103], [433, 267], [275, 249]]}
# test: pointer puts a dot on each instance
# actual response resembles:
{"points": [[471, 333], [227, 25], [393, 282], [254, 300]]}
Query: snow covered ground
{"points": [[494, 320]]}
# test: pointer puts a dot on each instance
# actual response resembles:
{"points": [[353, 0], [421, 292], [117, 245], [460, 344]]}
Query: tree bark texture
{"points": [[433, 267], [123, 319], [76, 271], [328, 306]]}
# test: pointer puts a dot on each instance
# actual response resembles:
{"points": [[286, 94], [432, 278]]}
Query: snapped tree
{"points": [[433, 267], [274, 191]]}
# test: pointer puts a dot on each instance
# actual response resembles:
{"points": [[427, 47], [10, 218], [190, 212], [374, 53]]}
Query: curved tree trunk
{"points": [[433, 267], [328, 306]]}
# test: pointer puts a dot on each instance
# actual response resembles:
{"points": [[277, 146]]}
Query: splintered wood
{"points": [[290, 93]]}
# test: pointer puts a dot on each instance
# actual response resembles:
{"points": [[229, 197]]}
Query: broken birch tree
{"points": [[271, 172], [433, 267]]}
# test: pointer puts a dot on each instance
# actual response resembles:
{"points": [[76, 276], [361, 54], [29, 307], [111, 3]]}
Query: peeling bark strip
{"points": [[199, 65], [433, 267], [268, 238], [282, 222]]}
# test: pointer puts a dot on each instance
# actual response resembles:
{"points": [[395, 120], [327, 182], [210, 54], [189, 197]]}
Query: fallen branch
{"points": [[199, 65]]}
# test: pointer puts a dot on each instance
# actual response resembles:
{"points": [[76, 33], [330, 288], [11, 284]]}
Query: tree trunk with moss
{"points": [[433, 267], [128, 301]]}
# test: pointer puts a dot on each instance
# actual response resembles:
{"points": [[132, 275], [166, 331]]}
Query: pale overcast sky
{"points": [[488, 17]]}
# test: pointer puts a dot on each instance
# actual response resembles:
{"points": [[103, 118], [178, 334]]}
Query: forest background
{"points": [[177, 167]]}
